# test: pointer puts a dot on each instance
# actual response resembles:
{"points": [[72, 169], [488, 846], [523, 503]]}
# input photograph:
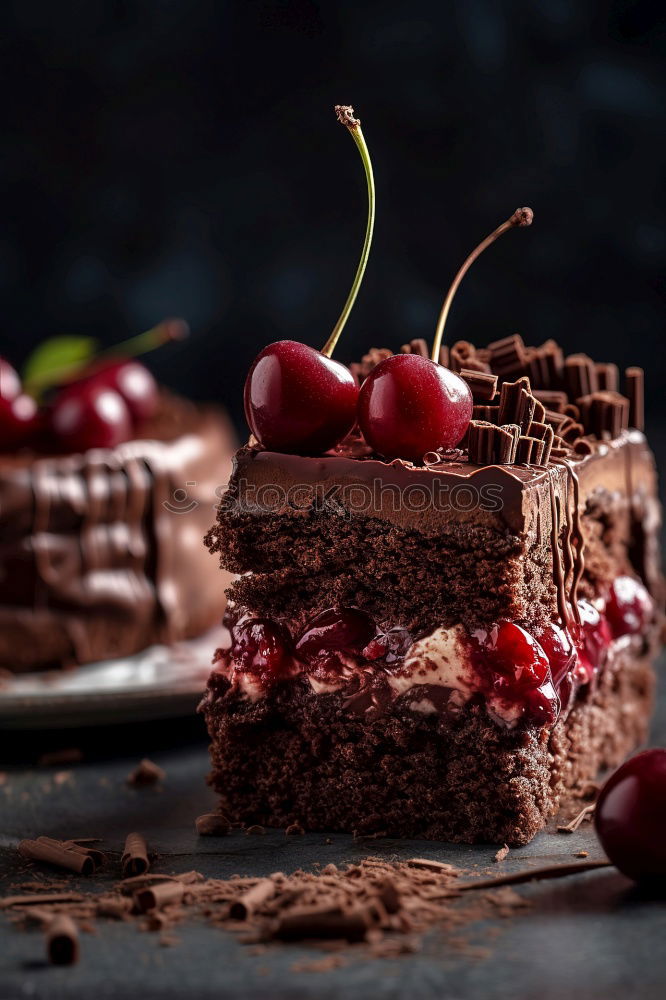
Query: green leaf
{"points": [[55, 359]]}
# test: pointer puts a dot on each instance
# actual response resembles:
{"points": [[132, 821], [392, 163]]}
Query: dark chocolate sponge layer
{"points": [[300, 757]]}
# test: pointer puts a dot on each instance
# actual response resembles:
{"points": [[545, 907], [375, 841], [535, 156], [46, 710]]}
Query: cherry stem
{"points": [[521, 217], [346, 117], [165, 332]]}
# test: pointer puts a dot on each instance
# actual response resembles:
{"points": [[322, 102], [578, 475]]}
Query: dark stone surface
{"points": [[588, 936]]}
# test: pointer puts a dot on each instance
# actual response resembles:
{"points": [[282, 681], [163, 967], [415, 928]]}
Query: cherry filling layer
{"points": [[520, 674]]}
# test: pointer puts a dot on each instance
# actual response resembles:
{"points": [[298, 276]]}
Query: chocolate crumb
{"points": [[68, 755], [212, 825], [146, 773], [586, 813], [502, 853], [255, 830], [294, 830]]}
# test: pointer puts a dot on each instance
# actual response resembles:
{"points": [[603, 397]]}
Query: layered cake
{"points": [[105, 495], [440, 646]]}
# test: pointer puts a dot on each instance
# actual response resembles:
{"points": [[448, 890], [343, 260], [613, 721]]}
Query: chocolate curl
{"points": [[546, 435], [489, 444], [98, 857], [62, 941], [569, 430], [463, 355], [583, 447], [154, 897], [539, 411], [605, 414], [483, 385], [580, 376], [608, 377], [635, 385], [56, 854], [418, 346], [251, 900], [553, 400], [489, 414], [545, 364], [524, 450], [571, 410], [554, 419], [508, 356], [324, 923], [212, 825], [516, 405], [135, 859]]}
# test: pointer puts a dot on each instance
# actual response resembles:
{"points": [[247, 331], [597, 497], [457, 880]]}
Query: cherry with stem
{"points": [[521, 217]]}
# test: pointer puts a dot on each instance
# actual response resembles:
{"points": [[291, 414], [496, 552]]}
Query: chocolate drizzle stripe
{"points": [[558, 574]]}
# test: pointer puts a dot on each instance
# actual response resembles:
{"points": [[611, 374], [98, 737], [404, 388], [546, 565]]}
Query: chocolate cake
{"points": [[100, 551], [442, 648]]}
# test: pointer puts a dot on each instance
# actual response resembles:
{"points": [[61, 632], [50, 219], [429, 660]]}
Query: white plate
{"points": [[161, 682]]}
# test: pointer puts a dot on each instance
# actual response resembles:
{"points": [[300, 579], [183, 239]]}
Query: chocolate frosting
{"points": [[101, 553]]}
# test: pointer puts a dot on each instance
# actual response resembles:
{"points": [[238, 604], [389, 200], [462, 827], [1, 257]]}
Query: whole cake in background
{"points": [[106, 490], [449, 601]]}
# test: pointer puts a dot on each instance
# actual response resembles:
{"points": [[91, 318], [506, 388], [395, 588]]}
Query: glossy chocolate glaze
{"points": [[100, 555]]}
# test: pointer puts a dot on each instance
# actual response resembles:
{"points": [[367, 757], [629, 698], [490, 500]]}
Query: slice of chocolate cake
{"points": [[446, 647]]}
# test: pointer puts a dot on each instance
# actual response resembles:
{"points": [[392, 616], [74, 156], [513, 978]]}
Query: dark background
{"points": [[182, 157]]}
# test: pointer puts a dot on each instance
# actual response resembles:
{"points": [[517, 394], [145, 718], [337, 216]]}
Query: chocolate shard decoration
{"points": [[570, 430], [416, 346], [463, 355], [608, 377], [552, 399], [508, 356], [490, 414], [483, 385], [545, 434], [571, 410], [604, 414], [517, 404], [489, 444], [580, 376], [635, 384], [545, 365]]}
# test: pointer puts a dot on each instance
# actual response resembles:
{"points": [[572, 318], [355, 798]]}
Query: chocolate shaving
{"points": [[580, 375], [552, 399], [490, 414], [483, 385], [429, 865], [539, 411], [608, 377], [508, 356], [534, 874], [146, 773], [77, 847], [635, 385], [418, 346], [53, 852], [464, 355], [62, 941], [40, 899], [516, 405], [489, 444], [251, 900], [212, 825], [544, 365], [325, 922], [604, 414], [156, 896], [502, 853], [135, 859], [525, 450]]}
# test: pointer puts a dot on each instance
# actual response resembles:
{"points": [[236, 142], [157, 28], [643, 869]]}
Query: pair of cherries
{"points": [[300, 401], [99, 410]]}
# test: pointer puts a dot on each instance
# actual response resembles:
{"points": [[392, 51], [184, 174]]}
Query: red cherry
{"points": [[629, 607], [19, 421], [345, 630], [558, 646], [593, 637], [542, 705], [298, 400], [630, 817], [87, 415], [134, 383], [510, 652], [389, 646], [261, 646], [408, 405], [10, 383]]}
